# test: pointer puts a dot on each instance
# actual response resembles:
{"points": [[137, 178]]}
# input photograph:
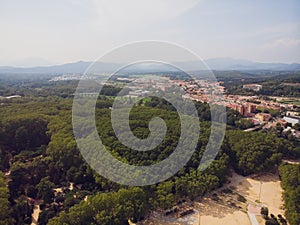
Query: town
{"points": [[261, 112]]}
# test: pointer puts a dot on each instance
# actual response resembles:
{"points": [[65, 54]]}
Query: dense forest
{"points": [[276, 84], [39, 155], [290, 177]]}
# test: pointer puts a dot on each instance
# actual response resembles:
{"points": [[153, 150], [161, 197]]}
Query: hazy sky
{"points": [[35, 32]]}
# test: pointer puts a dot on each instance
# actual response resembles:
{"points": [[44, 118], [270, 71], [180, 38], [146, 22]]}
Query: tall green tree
{"points": [[45, 190], [6, 217]]}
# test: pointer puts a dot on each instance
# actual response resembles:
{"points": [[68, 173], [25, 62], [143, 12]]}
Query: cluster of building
{"points": [[248, 106], [140, 87], [74, 76], [208, 91], [213, 92], [246, 110], [202, 90]]}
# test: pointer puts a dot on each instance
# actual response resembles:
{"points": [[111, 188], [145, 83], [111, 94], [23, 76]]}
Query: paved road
{"points": [[291, 161], [252, 218]]}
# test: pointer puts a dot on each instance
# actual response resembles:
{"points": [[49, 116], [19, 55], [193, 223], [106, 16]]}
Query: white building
{"points": [[255, 87], [292, 119]]}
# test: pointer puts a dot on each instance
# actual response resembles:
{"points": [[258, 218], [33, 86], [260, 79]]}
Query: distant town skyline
{"points": [[35, 33]]}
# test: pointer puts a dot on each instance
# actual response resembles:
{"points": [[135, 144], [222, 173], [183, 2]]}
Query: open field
{"points": [[263, 190], [218, 212], [232, 204], [288, 100]]}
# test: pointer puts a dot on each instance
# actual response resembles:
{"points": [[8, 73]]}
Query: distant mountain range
{"points": [[214, 64], [240, 64]]}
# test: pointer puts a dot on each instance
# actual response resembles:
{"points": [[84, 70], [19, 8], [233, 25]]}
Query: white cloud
{"points": [[283, 42]]}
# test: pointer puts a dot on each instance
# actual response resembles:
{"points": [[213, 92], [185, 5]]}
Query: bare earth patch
{"points": [[36, 212], [263, 190], [223, 207], [214, 213]]}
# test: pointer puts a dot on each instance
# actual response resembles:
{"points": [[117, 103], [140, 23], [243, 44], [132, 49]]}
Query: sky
{"points": [[35, 32]]}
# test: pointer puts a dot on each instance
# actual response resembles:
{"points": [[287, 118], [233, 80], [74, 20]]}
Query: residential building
{"points": [[292, 119], [263, 117], [254, 87]]}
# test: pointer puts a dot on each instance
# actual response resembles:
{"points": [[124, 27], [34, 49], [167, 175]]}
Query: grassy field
{"points": [[292, 101]]}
